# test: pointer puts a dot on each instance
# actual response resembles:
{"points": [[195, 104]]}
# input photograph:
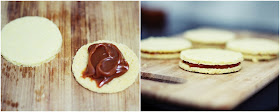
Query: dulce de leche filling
{"points": [[211, 66], [105, 62], [147, 52], [273, 55]]}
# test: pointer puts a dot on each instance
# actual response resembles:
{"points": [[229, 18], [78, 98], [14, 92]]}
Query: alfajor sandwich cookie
{"points": [[210, 61], [255, 49], [209, 37], [163, 47]]}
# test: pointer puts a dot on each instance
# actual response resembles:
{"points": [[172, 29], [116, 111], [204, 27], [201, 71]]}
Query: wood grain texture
{"points": [[169, 83], [52, 86]]}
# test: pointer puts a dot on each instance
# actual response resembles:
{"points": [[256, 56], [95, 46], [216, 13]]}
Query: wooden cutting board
{"points": [[52, 85], [165, 81]]}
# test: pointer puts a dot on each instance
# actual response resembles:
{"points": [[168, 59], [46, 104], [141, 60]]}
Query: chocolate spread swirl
{"points": [[105, 62]]}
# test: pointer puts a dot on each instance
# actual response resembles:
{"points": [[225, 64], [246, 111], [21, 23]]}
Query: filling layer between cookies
{"points": [[211, 66], [105, 62], [272, 55], [207, 45], [160, 52]]}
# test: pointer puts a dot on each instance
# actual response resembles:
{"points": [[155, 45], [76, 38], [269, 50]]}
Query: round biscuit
{"points": [[30, 41], [164, 44], [209, 35], [211, 56], [117, 84], [254, 46]]}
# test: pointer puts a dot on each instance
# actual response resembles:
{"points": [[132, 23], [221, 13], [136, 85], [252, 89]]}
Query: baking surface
{"points": [[52, 86], [169, 83]]}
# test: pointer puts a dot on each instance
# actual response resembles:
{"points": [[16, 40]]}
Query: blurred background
{"points": [[171, 18]]}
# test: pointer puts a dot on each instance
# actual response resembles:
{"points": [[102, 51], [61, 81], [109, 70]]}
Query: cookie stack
{"points": [[214, 51]]}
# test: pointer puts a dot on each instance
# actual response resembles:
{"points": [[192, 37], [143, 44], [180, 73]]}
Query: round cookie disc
{"points": [[30, 41], [254, 46], [211, 56], [209, 36], [164, 44], [117, 84]]}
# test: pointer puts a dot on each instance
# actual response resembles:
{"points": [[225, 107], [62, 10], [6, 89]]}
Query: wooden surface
{"points": [[52, 86], [165, 81]]}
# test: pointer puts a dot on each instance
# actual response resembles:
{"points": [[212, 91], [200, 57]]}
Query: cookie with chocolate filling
{"points": [[255, 49], [105, 66], [209, 37], [210, 61], [163, 47]]}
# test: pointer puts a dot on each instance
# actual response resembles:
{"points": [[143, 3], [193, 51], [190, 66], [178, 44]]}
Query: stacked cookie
{"points": [[163, 47], [209, 37], [210, 61], [255, 49]]}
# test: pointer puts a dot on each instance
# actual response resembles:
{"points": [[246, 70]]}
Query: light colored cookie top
{"points": [[164, 44], [254, 46], [117, 84], [30, 41], [211, 56], [209, 35]]}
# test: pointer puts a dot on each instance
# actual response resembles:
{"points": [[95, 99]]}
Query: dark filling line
{"points": [[211, 66], [261, 54], [160, 52]]}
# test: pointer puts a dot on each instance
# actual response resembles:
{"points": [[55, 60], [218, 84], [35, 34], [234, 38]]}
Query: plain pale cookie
{"points": [[30, 41], [255, 49], [205, 37], [163, 47], [210, 61], [117, 84]]}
